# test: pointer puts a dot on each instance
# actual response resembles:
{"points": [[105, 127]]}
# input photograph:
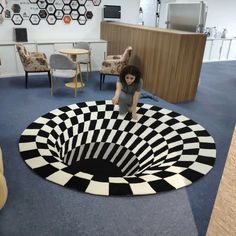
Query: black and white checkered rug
{"points": [[91, 148]]}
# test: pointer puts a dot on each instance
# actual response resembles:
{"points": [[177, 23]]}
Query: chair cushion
{"points": [[112, 67], [63, 73]]}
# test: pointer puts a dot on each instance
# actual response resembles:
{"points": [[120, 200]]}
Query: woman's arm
{"points": [[135, 100], [134, 104], [115, 99]]}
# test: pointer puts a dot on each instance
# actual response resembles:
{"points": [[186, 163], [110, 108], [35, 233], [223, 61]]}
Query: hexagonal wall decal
{"points": [[67, 19], [43, 13], [59, 14], [16, 8], [82, 10], [89, 15], [74, 15], [17, 19], [74, 4], [58, 4], [51, 19], [51, 9], [82, 2], [66, 9], [1, 8], [42, 4], [34, 19], [96, 2], [82, 20]]}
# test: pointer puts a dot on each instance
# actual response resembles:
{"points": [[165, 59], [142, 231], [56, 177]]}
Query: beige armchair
{"points": [[113, 64], [33, 62]]}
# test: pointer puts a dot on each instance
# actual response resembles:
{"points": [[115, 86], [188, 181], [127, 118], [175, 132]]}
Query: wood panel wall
{"points": [[170, 60], [223, 216]]}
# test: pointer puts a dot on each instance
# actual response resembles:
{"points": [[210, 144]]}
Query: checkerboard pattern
{"points": [[91, 148]]}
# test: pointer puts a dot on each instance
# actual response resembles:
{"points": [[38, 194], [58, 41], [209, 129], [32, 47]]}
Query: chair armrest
{"points": [[113, 57], [111, 62], [38, 54]]}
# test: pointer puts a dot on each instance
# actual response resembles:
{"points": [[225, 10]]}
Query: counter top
{"points": [[163, 30], [227, 38], [54, 41]]}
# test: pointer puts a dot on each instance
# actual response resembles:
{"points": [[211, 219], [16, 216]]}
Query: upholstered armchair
{"points": [[33, 62], [113, 64]]}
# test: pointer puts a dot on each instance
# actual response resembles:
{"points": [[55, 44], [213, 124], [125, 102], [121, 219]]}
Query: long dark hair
{"points": [[132, 70]]}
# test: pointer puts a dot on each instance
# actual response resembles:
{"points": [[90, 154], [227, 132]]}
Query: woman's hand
{"points": [[134, 115], [115, 100]]}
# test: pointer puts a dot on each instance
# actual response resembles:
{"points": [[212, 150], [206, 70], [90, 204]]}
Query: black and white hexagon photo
{"points": [[51, 10], [91, 148]]}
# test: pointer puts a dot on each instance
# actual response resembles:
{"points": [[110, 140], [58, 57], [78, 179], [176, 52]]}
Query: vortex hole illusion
{"points": [[103, 159]]}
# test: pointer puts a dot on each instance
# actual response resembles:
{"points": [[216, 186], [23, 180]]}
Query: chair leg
{"points": [[51, 83], [90, 69], [80, 75], [49, 77], [87, 71], [81, 80], [26, 79], [76, 85], [101, 81]]}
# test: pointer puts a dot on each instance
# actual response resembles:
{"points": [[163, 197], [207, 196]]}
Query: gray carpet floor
{"points": [[38, 207]]}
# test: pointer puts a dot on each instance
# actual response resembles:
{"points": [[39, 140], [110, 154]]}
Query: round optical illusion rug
{"points": [[91, 148]]}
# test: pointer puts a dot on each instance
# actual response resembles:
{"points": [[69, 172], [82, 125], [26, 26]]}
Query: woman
{"points": [[128, 89]]}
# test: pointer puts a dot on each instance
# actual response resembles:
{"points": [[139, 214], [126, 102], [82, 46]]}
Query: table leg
{"points": [[79, 84]]}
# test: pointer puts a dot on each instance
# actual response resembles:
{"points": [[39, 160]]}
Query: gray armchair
{"points": [[84, 58], [63, 66]]}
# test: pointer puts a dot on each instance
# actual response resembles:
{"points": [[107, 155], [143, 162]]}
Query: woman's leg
{"points": [[125, 102]]}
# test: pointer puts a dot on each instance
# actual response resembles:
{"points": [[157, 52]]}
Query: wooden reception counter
{"points": [[170, 60]]}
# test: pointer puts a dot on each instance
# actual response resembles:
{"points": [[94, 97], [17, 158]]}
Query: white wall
{"points": [[61, 31], [163, 12], [220, 14], [149, 12]]}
